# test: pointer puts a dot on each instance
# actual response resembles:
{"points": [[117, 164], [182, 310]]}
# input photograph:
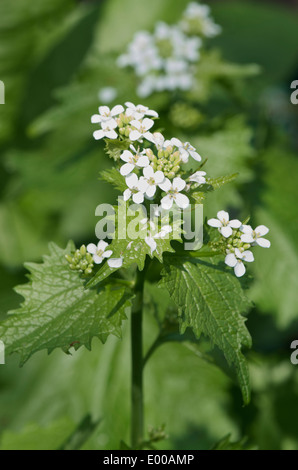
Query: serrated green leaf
{"points": [[59, 312], [217, 183], [211, 301], [114, 177]]}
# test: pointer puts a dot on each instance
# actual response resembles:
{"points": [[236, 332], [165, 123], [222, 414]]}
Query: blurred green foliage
{"points": [[54, 58]]}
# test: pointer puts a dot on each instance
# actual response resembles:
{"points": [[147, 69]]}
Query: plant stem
{"points": [[137, 400]]}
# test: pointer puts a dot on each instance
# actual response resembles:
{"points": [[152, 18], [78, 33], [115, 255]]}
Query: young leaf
{"points": [[114, 177], [134, 250], [59, 311], [211, 302]]}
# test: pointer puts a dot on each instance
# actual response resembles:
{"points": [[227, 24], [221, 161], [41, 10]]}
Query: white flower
{"points": [[198, 177], [115, 263], [141, 129], [173, 194], [159, 141], [107, 94], [138, 112], [224, 224], [135, 189], [133, 160], [150, 239], [108, 130], [235, 260], [186, 150], [106, 114], [151, 180], [98, 252], [255, 236]]}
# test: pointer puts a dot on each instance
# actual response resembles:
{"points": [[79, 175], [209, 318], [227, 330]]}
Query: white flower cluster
{"points": [[151, 165], [239, 239], [197, 20], [160, 167], [165, 59]]}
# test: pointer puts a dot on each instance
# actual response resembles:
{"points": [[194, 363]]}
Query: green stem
{"points": [[137, 400]]}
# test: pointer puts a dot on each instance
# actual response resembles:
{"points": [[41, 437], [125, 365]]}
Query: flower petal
{"points": [[226, 231], [263, 242], [182, 201], [239, 269], [138, 198], [107, 254], [223, 215], [214, 223], [99, 134], [231, 260], [235, 223], [97, 259], [135, 135], [150, 192], [135, 124], [143, 162], [179, 183], [126, 156], [126, 169], [248, 256], [92, 248], [166, 185], [195, 156], [95, 119], [148, 172], [132, 181], [126, 194], [262, 230], [101, 245], [118, 109], [159, 177], [147, 123], [166, 202], [247, 238]]}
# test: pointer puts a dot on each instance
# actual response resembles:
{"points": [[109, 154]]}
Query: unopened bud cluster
{"points": [[167, 160], [81, 261]]}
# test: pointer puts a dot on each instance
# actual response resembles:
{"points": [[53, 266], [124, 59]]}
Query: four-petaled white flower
{"points": [[254, 237], [235, 260], [138, 112], [151, 180], [134, 190], [106, 114], [141, 129], [198, 177], [99, 252], [133, 160], [108, 130], [224, 224], [186, 150], [173, 191]]}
